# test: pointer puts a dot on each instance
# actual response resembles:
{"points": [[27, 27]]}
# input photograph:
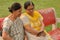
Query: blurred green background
{"points": [[39, 4]]}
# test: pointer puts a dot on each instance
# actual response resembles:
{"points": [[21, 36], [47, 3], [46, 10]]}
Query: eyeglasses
{"points": [[31, 9]]}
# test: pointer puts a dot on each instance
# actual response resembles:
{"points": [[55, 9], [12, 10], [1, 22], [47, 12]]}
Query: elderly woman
{"points": [[12, 25], [33, 23]]}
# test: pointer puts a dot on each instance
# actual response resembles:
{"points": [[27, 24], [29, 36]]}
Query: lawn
{"points": [[39, 4]]}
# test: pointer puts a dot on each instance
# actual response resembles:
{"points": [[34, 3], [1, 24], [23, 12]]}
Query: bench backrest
{"points": [[48, 16]]}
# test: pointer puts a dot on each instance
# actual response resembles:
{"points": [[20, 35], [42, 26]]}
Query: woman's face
{"points": [[18, 12], [30, 9]]}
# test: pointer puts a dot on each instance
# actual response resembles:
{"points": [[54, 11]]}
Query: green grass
{"points": [[39, 4]]}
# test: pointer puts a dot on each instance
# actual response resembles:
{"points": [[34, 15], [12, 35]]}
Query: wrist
{"points": [[39, 33]]}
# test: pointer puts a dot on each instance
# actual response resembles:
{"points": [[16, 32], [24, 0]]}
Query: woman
{"points": [[12, 25], [33, 23]]}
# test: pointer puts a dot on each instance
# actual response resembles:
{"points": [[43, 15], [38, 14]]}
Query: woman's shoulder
{"points": [[7, 21], [23, 16], [36, 12]]}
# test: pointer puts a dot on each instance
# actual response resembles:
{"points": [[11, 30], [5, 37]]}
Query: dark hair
{"points": [[28, 3], [14, 7]]}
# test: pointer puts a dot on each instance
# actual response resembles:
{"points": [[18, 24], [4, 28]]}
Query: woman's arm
{"points": [[26, 23], [42, 25], [6, 27], [30, 30], [25, 37], [6, 36]]}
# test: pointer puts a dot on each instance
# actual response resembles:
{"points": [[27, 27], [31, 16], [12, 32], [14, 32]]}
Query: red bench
{"points": [[50, 19], [1, 21]]}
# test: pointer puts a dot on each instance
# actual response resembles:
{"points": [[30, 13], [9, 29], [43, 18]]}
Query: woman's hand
{"points": [[42, 33]]}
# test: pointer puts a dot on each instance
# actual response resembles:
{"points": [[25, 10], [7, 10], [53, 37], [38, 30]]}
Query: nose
{"points": [[31, 10]]}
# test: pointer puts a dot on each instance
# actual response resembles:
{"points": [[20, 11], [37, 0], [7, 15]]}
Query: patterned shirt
{"points": [[14, 29]]}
